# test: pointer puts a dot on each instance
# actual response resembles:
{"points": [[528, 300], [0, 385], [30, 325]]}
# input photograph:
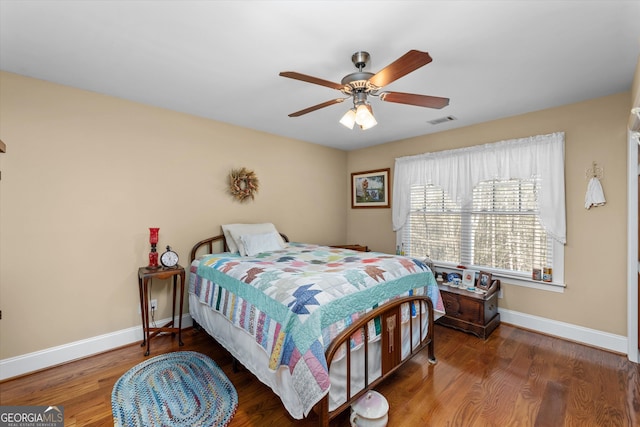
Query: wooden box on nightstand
{"points": [[470, 312]]}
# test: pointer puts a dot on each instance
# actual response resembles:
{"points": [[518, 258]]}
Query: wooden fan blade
{"points": [[317, 107], [402, 66], [413, 99], [310, 79]]}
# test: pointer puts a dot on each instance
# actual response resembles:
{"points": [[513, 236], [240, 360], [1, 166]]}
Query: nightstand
{"points": [[358, 248], [470, 312], [145, 274]]}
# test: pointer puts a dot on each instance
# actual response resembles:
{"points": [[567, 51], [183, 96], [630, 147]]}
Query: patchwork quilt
{"points": [[295, 300]]}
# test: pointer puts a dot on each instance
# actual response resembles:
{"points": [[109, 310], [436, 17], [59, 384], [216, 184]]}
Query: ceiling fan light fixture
{"points": [[364, 117], [371, 123], [349, 119]]}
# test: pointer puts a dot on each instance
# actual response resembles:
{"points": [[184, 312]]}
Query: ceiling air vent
{"points": [[442, 120]]}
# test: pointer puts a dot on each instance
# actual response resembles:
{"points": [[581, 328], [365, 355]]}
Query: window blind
{"points": [[498, 230], [507, 234]]}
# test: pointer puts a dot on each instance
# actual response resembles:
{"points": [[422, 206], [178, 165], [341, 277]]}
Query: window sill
{"points": [[514, 280]]}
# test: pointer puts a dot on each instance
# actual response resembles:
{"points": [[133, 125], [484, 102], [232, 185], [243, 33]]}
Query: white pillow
{"points": [[254, 244], [236, 230], [231, 244]]}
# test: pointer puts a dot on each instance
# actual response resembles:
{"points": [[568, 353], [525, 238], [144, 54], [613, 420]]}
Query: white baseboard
{"points": [[19, 365], [35, 361], [568, 331]]}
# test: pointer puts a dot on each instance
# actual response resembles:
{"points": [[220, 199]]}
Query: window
{"points": [[500, 231], [434, 227], [498, 207]]}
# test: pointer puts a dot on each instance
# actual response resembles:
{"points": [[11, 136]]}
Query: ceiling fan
{"points": [[361, 84]]}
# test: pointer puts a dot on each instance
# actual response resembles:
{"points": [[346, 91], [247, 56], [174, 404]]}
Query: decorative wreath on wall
{"points": [[243, 184]]}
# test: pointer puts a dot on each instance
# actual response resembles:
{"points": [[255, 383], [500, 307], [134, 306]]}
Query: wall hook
{"points": [[594, 171]]}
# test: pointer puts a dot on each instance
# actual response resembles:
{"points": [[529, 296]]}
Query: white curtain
{"points": [[459, 171]]}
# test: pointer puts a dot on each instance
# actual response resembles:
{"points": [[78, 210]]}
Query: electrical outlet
{"points": [[500, 293], [153, 305]]}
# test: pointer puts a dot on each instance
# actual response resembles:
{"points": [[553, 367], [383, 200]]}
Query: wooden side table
{"points": [[146, 274], [357, 247]]}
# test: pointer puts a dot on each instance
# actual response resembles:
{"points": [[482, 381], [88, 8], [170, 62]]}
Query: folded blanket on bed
{"points": [[294, 301]]}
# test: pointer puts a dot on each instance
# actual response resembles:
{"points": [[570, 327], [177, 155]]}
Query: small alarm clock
{"points": [[169, 258]]}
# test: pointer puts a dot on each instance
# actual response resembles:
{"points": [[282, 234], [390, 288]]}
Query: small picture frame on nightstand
{"points": [[484, 280]]}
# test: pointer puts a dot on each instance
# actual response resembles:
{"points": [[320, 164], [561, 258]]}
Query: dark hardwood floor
{"points": [[514, 378]]}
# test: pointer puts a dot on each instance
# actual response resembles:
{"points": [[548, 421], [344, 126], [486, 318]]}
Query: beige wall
{"points": [[595, 254], [85, 176]]}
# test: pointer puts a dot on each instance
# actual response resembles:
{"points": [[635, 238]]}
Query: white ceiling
{"points": [[221, 59]]}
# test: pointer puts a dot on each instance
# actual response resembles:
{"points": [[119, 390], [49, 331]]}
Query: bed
{"points": [[319, 325]]}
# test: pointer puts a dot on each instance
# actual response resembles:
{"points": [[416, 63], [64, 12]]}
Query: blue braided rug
{"points": [[183, 388]]}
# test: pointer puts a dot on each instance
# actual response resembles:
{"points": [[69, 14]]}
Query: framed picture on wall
{"points": [[371, 189]]}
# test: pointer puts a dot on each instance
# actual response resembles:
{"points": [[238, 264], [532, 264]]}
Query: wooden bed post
{"points": [[323, 411]]}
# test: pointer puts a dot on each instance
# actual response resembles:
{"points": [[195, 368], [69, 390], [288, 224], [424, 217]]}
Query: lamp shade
{"points": [[364, 117], [349, 119], [369, 124]]}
